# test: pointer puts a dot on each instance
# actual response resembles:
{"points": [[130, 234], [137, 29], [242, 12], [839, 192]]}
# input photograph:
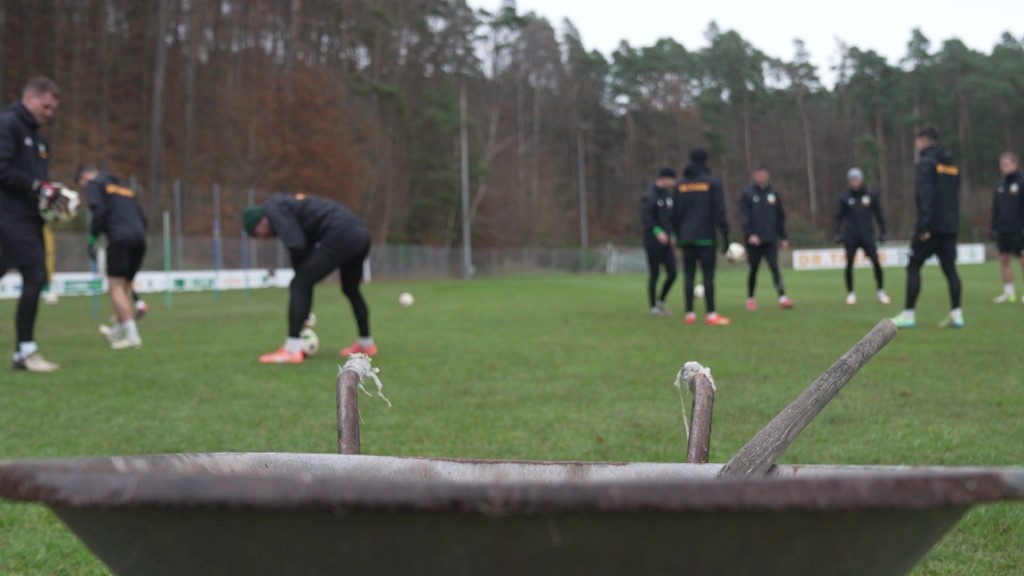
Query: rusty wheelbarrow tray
{"points": [[323, 514], [252, 513]]}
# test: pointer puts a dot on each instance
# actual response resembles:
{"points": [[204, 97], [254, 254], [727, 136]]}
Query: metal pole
{"points": [[467, 248], [581, 162], [254, 255], [167, 259], [179, 242], [216, 242]]}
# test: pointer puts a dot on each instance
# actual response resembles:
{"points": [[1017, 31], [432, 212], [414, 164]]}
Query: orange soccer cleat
{"points": [[357, 348], [282, 356], [716, 319]]}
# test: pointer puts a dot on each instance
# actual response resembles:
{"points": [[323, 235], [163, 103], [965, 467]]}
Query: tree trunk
{"points": [[964, 127], [3, 54], [812, 188], [883, 166], [189, 144], [153, 188]]}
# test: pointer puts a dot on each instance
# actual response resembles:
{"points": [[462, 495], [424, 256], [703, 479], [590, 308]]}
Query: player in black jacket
{"points": [[936, 183], [114, 212], [1008, 221], [321, 236], [656, 213], [764, 228], [24, 181], [858, 207], [698, 208]]}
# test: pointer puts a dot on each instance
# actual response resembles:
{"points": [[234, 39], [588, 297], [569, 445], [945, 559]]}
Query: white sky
{"points": [[771, 26]]}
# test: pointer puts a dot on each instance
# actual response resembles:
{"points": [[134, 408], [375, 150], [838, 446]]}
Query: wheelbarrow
{"points": [[256, 513]]}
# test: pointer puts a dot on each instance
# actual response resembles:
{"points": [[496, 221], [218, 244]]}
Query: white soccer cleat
{"points": [[126, 342], [1005, 297], [34, 362], [851, 299], [109, 333], [883, 297]]}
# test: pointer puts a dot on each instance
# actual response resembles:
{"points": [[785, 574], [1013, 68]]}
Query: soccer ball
{"points": [[405, 300], [310, 342], [698, 291], [735, 252], [61, 210]]}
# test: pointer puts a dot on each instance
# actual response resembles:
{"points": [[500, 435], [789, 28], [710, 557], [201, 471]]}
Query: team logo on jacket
{"points": [[756, 198], [28, 141], [1014, 188], [865, 200], [851, 201], [43, 152], [668, 202], [771, 199]]}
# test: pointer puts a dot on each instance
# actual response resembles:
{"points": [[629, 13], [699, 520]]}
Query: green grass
{"points": [[537, 367]]}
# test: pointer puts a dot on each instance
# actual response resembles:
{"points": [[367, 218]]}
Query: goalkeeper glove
{"points": [[48, 192]]}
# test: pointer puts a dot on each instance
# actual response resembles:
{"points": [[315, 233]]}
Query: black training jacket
{"points": [[857, 208], [24, 159], [936, 183], [114, 210], [656, 213], [761, 213], [698, 207], [1007, 206], [302, 221]]}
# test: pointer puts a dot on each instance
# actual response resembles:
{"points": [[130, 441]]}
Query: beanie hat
{"points": [[251, 217], [699, 156], [855, 174], [667, 173], [929, 131]]}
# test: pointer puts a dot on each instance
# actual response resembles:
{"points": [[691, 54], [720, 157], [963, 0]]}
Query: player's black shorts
{"points": [[124, 258], [1010, 243]]}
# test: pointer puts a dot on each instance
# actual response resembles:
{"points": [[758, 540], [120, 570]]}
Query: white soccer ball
{"points": [[310, 342], [698, 291], [736, 252], [405, 300]]}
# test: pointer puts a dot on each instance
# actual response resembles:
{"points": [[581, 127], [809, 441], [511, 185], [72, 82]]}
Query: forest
{"points": [[364, 101]]}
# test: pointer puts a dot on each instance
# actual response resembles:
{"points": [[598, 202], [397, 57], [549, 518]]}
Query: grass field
{"points": [[538, 367]]}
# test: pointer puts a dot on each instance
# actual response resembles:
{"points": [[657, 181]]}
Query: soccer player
{"points": [[857, 207], [1008, 222], [697, 209], [115, 212], [322, 236], [656, 212], [936, 182], [764, 228], [24, 181]]}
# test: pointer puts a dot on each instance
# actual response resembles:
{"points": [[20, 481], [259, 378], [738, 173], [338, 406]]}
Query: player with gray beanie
{"points": [[857, 207]]}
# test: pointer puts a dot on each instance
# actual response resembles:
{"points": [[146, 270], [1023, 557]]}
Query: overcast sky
{"points": [[880, 25]]}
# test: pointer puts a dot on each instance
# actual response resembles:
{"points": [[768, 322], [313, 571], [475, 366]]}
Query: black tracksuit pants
{"points": [[705, 255], [659, 255], [770, 252], [871, 251], [345, 254], [943, 246]]}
